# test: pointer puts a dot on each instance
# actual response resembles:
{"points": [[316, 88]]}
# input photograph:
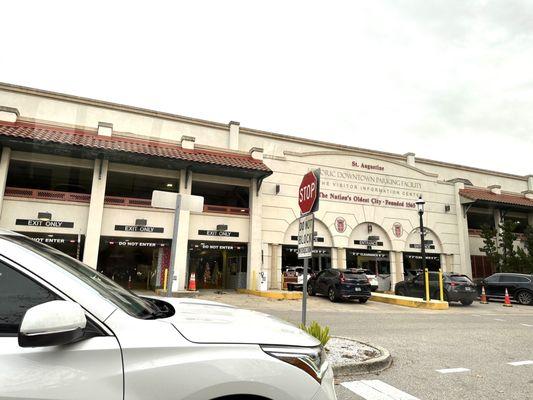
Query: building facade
{"points": [[78, 174]]}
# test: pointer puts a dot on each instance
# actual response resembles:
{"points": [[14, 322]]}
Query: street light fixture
{"points": [[420, 205]]}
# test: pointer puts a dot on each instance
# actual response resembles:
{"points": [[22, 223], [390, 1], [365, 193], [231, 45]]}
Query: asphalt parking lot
{"points": [[475, 352]]}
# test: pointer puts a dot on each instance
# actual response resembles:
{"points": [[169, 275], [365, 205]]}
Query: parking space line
{"points": [[452, 370], [376, 390], [519, 363], [499, 319], [528, 325]]}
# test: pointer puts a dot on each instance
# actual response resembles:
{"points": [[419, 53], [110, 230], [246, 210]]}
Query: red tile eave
{"points": [[486, 195], [161, 148]]}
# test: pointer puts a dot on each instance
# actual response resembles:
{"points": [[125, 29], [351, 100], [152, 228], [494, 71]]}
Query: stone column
{"points": [[334, 257], [443, 263], [180, 279], [341, 257], [4, 169], [462, 230], [497, 221], [96, 211], [398, 255], [393, 269], [255, 237], [275, 266]]}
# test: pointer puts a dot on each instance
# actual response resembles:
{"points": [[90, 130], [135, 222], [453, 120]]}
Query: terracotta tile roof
{"points": [[504, 198], [49, 134]]}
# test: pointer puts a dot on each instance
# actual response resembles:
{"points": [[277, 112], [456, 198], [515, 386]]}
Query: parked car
{"points": [[457, 287], [294, 278], [372, 278], [68, 332], [340, 284], [519, 286]]}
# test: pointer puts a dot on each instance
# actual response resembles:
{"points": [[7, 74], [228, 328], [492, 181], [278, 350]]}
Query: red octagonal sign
{"points": [[309, 191]]}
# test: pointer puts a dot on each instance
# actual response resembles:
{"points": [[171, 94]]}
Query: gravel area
{"points": [[343, 351]]}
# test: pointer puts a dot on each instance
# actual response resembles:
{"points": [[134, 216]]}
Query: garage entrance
{"points": [[218, 265], [321, 258], [134, 263], [376, 261], [412, 262]]}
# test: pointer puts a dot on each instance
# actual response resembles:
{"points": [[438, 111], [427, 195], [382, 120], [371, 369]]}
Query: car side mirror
{"points": [[53, 323]]}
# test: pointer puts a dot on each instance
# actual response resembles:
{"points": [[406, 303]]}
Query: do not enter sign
{"points": [[309, 191]]}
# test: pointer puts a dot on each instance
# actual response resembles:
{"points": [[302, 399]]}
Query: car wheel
{"points": [[362, 301], [310, 290], [466, 302], [332, 294], [524, 297]]}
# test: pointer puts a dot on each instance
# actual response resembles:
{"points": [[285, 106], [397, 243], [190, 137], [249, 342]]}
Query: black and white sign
{"points": [[368, 242], [48, 224], [139, 228], [204, 232], [372, 255], [317, 239], [135, 243], [218, 246], [305, 236], [429, 257], [418, 246]]}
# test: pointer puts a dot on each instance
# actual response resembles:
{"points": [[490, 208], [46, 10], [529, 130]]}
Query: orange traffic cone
{"points": [[507, 302], [192, 282], [483, 296]]}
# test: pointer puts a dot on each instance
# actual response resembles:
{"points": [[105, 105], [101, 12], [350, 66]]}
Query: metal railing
{"points": [[47, 195], [108, 200], [127, 201]]}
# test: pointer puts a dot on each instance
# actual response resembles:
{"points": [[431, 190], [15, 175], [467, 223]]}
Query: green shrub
{"points": [[321, 333]]}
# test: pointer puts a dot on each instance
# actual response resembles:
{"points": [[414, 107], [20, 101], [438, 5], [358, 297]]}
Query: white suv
{"points": [[68, 332]]}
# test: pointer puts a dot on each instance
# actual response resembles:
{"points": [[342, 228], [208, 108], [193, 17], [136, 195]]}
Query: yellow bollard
{"points": [[165, 280], [441, 285], [427, 283]]}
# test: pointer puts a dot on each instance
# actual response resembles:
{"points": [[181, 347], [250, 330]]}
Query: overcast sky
{"points": [[448, 80]]}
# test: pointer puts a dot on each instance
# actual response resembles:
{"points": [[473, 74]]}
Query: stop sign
{"points": [[309, 191]]}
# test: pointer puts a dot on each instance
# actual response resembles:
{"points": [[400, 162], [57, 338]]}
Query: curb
{"points": [[272, 294], [409, 301], [374, 365]]}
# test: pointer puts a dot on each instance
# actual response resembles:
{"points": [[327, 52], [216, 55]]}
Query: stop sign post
{"points": [[308, 200]]}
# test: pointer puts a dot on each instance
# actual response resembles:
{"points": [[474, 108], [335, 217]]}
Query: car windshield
{"points": [[460, 278], [352, 273], [107, 288]]}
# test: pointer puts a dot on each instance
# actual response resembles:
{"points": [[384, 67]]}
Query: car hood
{"points": [[202, 321]]}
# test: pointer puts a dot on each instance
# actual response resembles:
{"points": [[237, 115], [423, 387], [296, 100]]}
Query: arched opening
{"points": [[412, 255], [323, 242], [369, 248]]}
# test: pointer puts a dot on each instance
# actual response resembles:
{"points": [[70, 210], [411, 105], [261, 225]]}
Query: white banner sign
{"points": [[305, 236]]}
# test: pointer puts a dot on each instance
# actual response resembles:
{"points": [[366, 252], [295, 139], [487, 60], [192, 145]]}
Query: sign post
{"points": [[177, 202], [308, 196]]}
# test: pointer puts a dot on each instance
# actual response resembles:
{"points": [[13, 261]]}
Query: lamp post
{"points": [[420, 205]]}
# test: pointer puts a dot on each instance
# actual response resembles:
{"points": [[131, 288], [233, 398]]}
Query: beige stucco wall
{"points": [[85, 116], [273, 215]]}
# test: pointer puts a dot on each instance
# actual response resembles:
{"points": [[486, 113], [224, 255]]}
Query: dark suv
{"points": [[519, 286], [340, 284], [456, 287]]}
